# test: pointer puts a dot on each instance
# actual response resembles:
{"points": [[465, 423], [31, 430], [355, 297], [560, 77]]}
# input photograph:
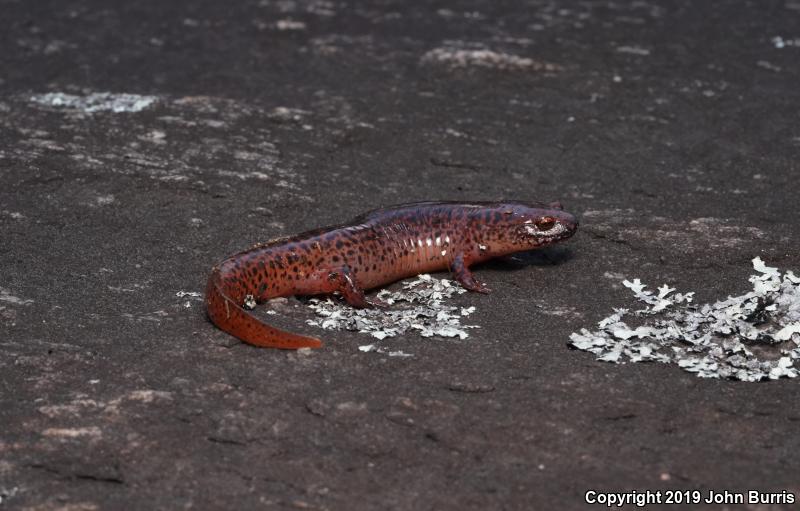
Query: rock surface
{"points": [[144, 141]]}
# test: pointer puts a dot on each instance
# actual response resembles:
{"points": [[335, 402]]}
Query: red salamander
{"points": [[374, 249]]}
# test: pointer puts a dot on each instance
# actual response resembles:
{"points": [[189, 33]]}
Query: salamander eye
{"points": [[545, 223]]}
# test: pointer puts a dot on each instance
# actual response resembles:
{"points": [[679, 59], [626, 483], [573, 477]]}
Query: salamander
{"points": [[374, 249]]}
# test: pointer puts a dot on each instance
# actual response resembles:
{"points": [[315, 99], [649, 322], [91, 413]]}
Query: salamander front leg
{"points": [[465, 277], [345, 283]]}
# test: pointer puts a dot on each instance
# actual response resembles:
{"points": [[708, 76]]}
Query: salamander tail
{"points": [[230, 317]]}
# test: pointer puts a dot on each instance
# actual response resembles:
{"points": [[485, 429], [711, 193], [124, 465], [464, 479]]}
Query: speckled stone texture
{"points": [[670, 129]]}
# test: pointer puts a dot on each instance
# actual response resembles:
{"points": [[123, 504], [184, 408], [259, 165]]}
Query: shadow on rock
{"points": [[549, 256]]}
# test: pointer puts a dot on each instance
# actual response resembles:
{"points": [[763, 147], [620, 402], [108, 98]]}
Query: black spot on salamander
{"points": [[335, 259], [339, 243]]}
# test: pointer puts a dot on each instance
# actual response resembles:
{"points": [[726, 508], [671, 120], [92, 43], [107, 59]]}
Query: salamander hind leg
{"points": [[465, 277], [343, 281]]}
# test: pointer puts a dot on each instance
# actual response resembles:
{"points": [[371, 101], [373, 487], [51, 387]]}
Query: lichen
{"points": [[419, 306], [752, 337]]}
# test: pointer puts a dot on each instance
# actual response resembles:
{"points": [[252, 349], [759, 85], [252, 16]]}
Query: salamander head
{"points": [[516, 226]]}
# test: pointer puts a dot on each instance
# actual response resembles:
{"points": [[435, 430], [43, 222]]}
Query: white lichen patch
{"points": [[633, 50], [460, 57], [154, 136], [419, 306], [191, 294], [244, 175], [178, 146], [784, 42], [380, 349], [90, 432], [149, 396], [104, 200], [75, 408], [12, 214], [7, 493], [290, 24], [150, 317], [752, 337], [96, 101], [84, 407], [6, 296], [285, 114]]}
